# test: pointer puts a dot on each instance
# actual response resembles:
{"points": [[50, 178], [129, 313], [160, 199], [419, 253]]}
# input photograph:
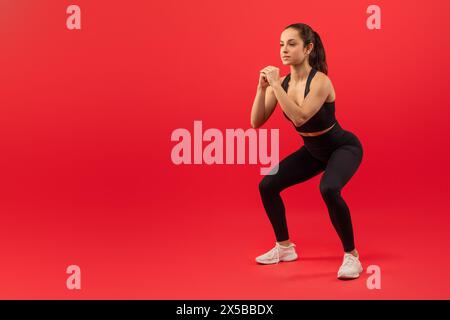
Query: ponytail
{"points": [[317, 58]]}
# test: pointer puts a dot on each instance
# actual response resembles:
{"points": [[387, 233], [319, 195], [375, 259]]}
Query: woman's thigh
{"points": [[295, 168], [341, 166]]}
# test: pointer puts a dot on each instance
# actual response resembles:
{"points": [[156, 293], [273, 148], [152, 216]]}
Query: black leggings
{"points": [[338, 152]]}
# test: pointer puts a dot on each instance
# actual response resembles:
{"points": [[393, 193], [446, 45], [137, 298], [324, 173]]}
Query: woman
{"points": [[307, 98]]}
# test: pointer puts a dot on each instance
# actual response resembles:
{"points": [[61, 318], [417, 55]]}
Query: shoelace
{"points": [[277, 250], [273, 251], [349, 260]]}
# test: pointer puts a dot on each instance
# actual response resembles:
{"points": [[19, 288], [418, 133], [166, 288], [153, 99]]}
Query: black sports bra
{"points": [[323, 119]]}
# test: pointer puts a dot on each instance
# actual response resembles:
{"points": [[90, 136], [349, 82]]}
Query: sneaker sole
{"points": [[287, 259], [350, 276]]}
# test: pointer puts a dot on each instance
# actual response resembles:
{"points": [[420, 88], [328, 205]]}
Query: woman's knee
{"points": [[329, 190], [268, 185]]}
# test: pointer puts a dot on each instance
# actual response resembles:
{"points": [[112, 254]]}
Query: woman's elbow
{"points": [[254, 124], [299, 122]]}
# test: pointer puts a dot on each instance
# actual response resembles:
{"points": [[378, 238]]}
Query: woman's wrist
{"points": [[261, 89]]}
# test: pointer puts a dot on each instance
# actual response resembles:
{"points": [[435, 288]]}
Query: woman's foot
{"points": [[351, 266], [277, 254]]}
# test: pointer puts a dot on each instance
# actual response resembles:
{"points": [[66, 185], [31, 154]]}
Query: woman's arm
{"points": [[319, 89], [263, 106]]}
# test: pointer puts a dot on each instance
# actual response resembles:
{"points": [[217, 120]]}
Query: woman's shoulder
{"points": [[322, 80], [322, 76]]}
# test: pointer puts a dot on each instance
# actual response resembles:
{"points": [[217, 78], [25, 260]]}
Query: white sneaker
{"points": [[351, 267], [277, 254]]}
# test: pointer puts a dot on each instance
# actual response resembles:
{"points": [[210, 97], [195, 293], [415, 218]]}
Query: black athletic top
{"points": [[323, 119]]}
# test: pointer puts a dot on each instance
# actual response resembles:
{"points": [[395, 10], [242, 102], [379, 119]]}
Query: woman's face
{"points": [[292, 50]]}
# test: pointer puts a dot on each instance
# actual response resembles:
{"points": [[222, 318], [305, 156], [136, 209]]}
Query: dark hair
{"points": [[317, 57]]}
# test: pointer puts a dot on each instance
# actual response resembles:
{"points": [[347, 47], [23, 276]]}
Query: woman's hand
{"points": [[272, 75], [263, 84]]}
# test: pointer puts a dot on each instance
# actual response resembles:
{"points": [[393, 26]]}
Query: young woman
{"points": [[307, 98]]}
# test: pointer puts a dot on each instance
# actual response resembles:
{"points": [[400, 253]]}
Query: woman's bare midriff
{"points": [[317, 133]]}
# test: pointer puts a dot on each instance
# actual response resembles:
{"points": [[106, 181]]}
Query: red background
{"points": [[87, 179]]}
